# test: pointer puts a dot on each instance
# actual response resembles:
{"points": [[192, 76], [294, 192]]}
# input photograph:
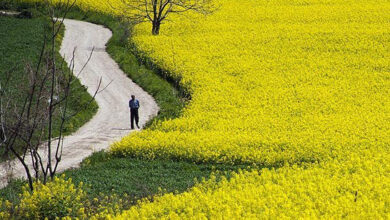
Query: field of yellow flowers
{"points": [[301, 84], [273, 81], [276, 82]]}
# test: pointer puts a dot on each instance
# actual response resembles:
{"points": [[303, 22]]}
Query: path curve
{"points": [[111, 122]]}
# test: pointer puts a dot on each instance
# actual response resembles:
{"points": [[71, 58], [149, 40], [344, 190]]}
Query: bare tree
{"points": [[27, 129], [156, 11]]}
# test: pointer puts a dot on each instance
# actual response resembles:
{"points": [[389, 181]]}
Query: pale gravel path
{"points": [[111, 122]]}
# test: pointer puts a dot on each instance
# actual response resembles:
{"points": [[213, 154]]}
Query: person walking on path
{"points": [[134, 106]]}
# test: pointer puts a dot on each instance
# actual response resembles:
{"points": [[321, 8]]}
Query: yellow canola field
{"points": [[275, 82], [326, 191], [272, 82]]}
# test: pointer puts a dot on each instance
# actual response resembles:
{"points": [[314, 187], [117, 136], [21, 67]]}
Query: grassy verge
{"points": [[20, 44]]}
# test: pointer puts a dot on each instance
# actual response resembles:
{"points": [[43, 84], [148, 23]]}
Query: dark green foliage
{"points": [[21, 41], [25, 14], [12, 191]]}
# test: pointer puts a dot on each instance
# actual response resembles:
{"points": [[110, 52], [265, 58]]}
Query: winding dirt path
{"points": [[111, 122]]}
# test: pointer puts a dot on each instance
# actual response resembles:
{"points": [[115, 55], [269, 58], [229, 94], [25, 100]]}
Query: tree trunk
{"points": [[156, 28]]}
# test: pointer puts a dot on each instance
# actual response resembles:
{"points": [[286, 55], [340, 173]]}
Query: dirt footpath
{"points": [[111, 122]]}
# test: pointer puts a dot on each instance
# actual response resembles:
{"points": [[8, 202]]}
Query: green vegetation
{"points": [[139, 178], [21, 41], [21, 44], [131, 179]]}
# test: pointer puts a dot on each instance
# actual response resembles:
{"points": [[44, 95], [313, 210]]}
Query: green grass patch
{"points": [[131, 179], [20, 42], [104, 174]]}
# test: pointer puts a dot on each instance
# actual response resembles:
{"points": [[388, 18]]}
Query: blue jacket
{"points": [[134, 104]]}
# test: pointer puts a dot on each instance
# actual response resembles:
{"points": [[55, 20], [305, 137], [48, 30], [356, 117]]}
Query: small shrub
{"points": [[103, 206], [5, 207], [58, 198]]}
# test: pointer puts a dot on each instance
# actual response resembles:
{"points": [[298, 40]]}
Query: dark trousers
{"points": [[134, 116]]}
